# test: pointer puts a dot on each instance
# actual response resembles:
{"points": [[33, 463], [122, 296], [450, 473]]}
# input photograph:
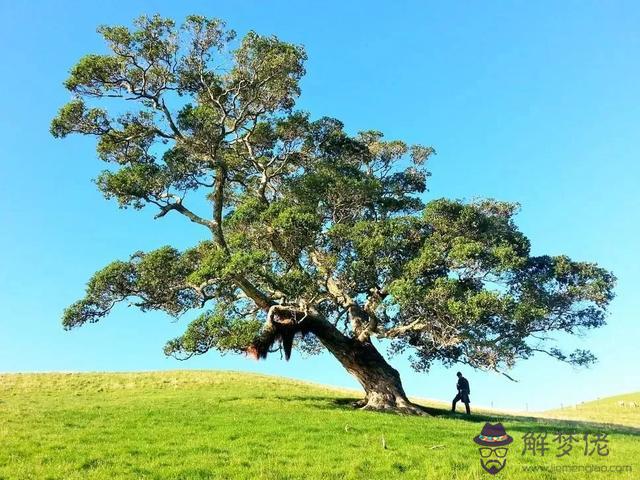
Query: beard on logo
{"points": [[493, 466]]}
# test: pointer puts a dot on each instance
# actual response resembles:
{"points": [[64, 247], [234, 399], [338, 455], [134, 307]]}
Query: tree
{"points": [[315, 239]]}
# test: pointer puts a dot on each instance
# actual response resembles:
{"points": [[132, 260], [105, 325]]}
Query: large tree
{"points": [[313, 238]]}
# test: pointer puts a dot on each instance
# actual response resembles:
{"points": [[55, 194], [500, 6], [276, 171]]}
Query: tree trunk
{"points": [[381, 382]]}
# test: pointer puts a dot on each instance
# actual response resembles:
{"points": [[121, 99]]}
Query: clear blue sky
{"points": [[536, 102]]}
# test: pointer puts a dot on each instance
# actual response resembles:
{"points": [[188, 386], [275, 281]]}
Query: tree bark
{"points": [[381, 382]]}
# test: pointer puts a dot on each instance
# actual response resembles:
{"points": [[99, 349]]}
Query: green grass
{"points": [[606, 410], [225, 425]]}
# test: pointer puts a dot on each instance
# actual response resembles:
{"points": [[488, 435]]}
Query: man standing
{"points": [[463, 393]]}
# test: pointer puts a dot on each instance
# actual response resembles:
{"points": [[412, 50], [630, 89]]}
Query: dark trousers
{"points": [[465, 399]]}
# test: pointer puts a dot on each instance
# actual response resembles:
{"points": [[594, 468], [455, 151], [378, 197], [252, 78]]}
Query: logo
{"points": [[493, 441]]}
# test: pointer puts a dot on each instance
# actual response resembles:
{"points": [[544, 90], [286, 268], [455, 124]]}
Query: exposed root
{"points": [[359, 403], [399, 406]]}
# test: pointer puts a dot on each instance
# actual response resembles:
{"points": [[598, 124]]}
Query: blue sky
{"points": [[535, 102]]}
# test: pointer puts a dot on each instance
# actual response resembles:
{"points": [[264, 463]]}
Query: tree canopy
{"points": [[312, 234]]}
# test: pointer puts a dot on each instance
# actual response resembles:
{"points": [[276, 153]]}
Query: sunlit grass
{"points": [[224, 425], [623, 409]]}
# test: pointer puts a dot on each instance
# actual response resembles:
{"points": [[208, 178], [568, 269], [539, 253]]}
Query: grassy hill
{"points": [[224, 425], [609, 410]]}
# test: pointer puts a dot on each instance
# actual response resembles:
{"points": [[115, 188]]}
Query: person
{"points": [[463, 393]]}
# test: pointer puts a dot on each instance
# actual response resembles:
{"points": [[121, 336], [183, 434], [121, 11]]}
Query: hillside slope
{"points": [[621, 409], [224, 425]]}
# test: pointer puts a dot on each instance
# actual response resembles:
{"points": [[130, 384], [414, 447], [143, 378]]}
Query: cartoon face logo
{"points": [[493, 451]]}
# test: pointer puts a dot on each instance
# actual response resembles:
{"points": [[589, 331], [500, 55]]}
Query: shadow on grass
{"points": [[542, 424], [517, 422]]}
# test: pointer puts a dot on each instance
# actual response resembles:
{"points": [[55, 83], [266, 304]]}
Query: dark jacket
{"points": [[463, 385]]}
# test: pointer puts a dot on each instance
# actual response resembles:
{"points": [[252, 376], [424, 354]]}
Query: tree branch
{"points": [[356, 312], [179, 207]]}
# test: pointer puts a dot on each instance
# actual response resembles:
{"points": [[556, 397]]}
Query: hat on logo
{"points": [[493, 436]]}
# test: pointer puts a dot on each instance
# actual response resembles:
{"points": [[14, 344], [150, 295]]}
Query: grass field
{"points": [[225, 425], [604, 410]]}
